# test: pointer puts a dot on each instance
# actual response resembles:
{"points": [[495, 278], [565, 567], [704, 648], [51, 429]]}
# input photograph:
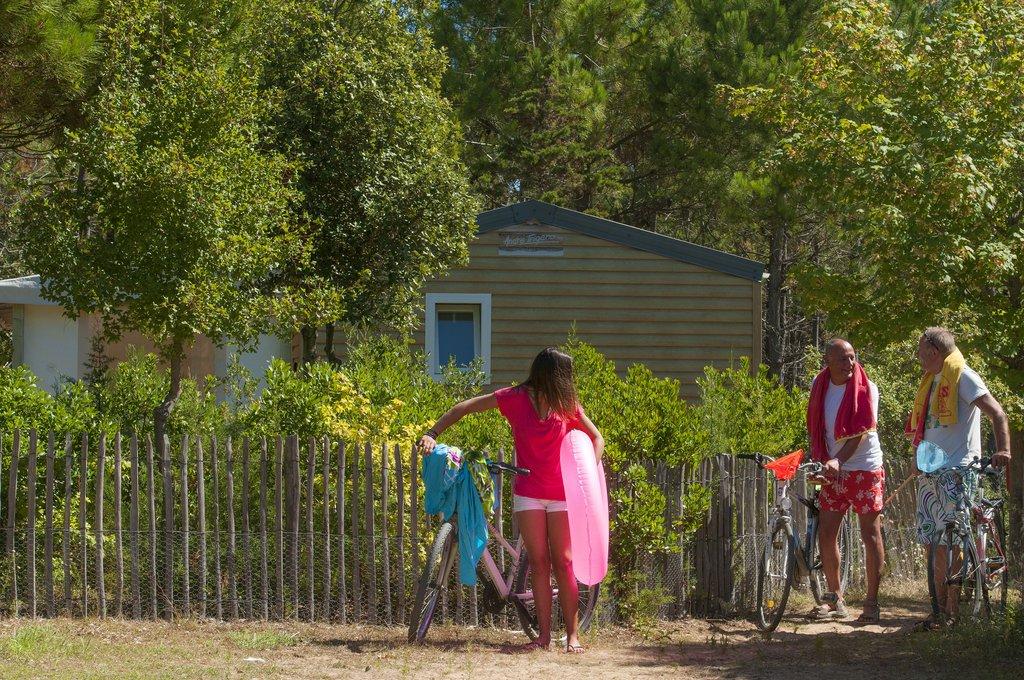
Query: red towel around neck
{"points": [[855, 416]]}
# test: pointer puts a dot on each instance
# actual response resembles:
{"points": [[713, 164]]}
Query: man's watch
{"points": [[432, 433]]}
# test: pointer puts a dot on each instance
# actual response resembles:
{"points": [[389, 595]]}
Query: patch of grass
{"points": [[263, 640], [994, 647], [35, 642]]}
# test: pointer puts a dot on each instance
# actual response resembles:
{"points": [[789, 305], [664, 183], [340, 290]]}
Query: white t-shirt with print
{"points": [[868, 455], [961, 442]]}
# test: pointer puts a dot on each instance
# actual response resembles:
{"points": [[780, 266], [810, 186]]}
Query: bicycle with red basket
{"points": [[784, 560]]}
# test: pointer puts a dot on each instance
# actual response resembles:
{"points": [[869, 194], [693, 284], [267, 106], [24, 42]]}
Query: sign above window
{"points": [[531, 244]]}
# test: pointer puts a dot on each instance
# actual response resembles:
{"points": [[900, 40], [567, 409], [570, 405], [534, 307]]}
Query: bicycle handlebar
{"points": [[981, 465], [813, 468], [494, 466]]}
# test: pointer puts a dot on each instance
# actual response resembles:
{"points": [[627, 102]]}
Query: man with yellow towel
{"points": [[947, 413]]}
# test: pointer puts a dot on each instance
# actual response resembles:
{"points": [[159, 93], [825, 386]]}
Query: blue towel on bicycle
{"points": [[448, 488]]}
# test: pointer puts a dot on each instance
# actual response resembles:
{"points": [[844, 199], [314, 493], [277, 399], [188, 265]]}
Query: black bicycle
{"points": [[784, 560]]}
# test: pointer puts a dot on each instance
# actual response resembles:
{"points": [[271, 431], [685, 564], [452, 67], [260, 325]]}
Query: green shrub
{"points": [[743, 412]]}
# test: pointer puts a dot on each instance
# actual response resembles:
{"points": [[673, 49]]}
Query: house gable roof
{"points": [[23, 290], [622, 234]]}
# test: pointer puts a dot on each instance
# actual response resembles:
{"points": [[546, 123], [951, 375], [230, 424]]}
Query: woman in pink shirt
{"points": [[540, 411]]}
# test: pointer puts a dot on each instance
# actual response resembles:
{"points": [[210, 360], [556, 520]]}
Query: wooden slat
{"points": [[133, 526], [279, 527], [414, 512], [168, 500], [356, 580], [48, 529], [310, 573], [400, 487], [591, 267], [101, 592], [371, 538], [292, 499], [229, 508], [499, 519], [385, 558], [186, 590], [622, 278], [218, 588], [646, 293], [12, 513], [246, 543], [3, 504], [264, 589], [118, 545], [30, 519], [83, 472], [65, 547], [201, 528], [151, 488], [342, 604], [326, 508]]}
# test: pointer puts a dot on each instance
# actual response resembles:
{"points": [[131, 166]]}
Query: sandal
{"points": [[832, 608], [871, 614], [574, 649]]}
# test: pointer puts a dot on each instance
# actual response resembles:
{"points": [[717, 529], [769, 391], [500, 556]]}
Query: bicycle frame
{"points": [[782, 515], [503, 587]]}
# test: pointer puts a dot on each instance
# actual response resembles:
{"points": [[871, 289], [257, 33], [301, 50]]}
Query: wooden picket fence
{"points": [[312, 529], [218, 528]]}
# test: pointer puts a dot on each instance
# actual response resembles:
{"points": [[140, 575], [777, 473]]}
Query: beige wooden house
{"points": [[536, 271]]}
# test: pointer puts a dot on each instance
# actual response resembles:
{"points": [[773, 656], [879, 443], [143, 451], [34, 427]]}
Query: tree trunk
{"points": [[329, 345], [775, 299], [308, 344], [162, 413]]}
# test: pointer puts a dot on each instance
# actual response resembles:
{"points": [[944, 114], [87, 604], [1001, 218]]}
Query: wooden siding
{"points": [[632, 305]]}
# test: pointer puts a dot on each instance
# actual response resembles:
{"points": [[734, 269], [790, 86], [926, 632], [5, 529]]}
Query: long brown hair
{"points": [[552, 382]]}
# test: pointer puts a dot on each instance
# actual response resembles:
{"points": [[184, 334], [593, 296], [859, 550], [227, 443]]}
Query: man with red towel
{"points": [[841, 419]]}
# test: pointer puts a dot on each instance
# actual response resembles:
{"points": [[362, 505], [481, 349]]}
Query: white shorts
{"points": [[520, 503]]}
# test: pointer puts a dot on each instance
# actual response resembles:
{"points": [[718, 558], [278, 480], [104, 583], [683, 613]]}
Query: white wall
{"points": [[50, 348], [258, 361]]}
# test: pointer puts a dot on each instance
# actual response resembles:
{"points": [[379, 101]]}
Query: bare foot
{"points": [[533, 646]]}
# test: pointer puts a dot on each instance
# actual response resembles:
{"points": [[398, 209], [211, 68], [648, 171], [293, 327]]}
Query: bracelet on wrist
{"points": [[432, 433]]}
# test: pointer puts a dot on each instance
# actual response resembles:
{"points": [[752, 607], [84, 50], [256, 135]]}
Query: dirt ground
{"points": [[66, 648]]}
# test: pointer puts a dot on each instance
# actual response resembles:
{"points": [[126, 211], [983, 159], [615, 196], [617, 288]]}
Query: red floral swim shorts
{"points": [[863, 490]]}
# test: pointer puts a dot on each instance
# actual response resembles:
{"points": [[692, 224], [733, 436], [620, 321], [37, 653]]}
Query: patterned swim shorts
{"points": [[937, 495], [863, 490]]}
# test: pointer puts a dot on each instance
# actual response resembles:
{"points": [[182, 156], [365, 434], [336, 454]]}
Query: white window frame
{"points": [[430, 340]]}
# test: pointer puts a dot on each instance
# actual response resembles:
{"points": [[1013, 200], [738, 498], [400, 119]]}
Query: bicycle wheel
{"points": [[967, 576], [846, 547], [435, 575], [527, 612], [775, 578], [819, 586], [996, 568]]}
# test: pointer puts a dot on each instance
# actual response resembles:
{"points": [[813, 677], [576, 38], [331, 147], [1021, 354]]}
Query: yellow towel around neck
{"points": [[945, 398]]}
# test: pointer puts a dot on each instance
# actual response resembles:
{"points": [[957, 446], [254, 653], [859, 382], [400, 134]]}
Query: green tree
{"points": [[916, 140], [47, 51], [171, 218], [531, 84], [358, 104]]}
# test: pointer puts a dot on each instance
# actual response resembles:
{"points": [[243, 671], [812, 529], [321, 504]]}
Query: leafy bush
{"points": [[744, 412]]}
